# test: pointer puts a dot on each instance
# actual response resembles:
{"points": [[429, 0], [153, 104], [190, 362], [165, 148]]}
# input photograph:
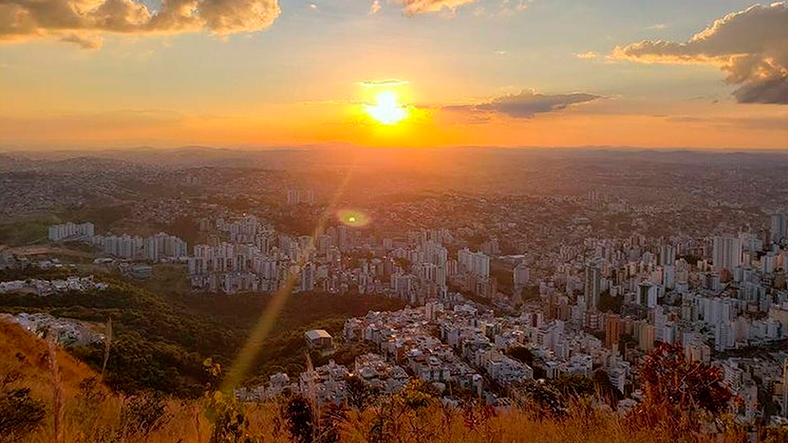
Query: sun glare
{"points": [[387, 110]]}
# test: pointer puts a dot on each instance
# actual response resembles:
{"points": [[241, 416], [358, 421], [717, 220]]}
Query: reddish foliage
{"points": [[671, 380]]}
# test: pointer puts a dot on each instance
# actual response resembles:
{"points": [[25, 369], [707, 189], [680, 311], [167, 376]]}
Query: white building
{"points": [[477, 263], [71, 231], [726, 253], [521, 275]]}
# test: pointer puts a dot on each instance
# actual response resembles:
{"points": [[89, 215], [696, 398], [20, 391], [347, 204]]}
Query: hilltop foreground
{"points": [[66, 402]]}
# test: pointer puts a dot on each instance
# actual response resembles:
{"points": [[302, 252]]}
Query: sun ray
{"points": [[251, 349]]}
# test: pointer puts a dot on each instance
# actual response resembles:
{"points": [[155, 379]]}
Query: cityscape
{"points": [[401, 221], [496, 289]]}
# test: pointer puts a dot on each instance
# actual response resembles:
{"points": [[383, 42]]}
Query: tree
{"points": [[676, 389], [404, 417], [543, 398], [359, 395], [300, 419], [605, 388], [521, 354], [574, 385], [609, 303]]}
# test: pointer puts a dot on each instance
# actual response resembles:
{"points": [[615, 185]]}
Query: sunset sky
{"points": [[262, 73]]}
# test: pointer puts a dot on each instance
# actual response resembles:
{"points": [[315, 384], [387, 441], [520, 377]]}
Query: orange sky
{"points": [[469, 72]]}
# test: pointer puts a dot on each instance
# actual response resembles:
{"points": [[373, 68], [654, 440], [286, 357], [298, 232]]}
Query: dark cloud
{"points": [[526, 104], [750, 45], [83, 21]]}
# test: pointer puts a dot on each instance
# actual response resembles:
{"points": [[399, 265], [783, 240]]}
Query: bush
{"points": [[359, 395], [20, 414], [677, 390], [142, 415], [300, 419], [543, 399]]}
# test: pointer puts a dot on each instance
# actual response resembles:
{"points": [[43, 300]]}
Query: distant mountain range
{"points": [[344, 156]]}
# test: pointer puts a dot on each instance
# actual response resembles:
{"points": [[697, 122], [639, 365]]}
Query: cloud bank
{"points": [[84, 21], [750, 45]]}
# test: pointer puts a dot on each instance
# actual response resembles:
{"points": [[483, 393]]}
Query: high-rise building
{"points": [[785, 388], [669, 276], [613, 328], [769, 263], [477, 263], [778, 226], [646, 338], [667, 255], [343, 238], [521, 275], [592, 287], [308, 277], [292, 197], [647, 295], [71, 231], [726, 252]]}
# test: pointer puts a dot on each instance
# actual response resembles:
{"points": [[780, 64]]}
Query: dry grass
{"points": [[91, 413]]}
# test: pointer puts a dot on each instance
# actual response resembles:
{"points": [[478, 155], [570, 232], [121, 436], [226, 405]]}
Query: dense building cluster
{"points": [[64, 331], [154, 248], [71, 231], [42, 287], [604, 305], [578, 267]]}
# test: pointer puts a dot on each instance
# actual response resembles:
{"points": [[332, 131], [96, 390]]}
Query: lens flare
{"points": [[352, 218], [245, 359]]}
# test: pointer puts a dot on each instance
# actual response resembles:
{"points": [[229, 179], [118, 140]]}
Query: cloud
{"points": [[391, 82], [523, 5], [753, 123], [658, 27], [374, 7], [509, 8], [414, 7], [749, 45], [587, 55], [83, 21], [85, 41], [527, 104]]}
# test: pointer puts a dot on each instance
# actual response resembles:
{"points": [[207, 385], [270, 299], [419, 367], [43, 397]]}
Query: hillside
{"points": [[92, 413], [160, 337], [23, 353]]}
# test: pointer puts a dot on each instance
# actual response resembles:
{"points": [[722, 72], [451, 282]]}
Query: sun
{"points": [[387, 110]]}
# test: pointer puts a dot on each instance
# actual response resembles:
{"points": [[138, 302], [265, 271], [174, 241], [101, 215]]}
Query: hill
{"points": [[92, 413], [161, 337], [24, 354]]}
